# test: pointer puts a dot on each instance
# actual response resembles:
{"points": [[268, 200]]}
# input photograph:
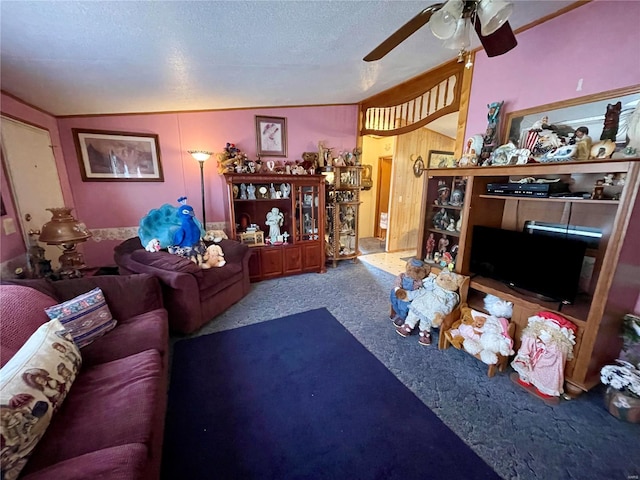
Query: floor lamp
{"points": [[201, 156]]}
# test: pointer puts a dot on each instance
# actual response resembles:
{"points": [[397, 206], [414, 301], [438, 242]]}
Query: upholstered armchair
{"points": [[192, 296]]}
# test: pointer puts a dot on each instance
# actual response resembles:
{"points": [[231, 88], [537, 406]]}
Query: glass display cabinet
{"points": [[279, 216], [343, 203]]}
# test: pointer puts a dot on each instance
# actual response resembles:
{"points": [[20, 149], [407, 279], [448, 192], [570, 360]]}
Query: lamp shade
{"points": [[460, 39], [443, 23], [493, 14], [63, 228], [200, 155]]}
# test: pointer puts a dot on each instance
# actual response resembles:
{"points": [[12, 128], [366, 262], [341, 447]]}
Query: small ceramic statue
{"points": [[251, 191], [611, 122], [431, 245], [584, 143], [243, 191], [443, 243], [285, 189], [275, 219]]}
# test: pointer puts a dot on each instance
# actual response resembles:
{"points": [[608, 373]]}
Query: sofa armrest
{"points": [[126, 295], [177, 280], [235, 252]]}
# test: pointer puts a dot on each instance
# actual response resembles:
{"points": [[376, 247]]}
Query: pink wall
{"points": [[123, 204], [13, 245], [596, 42]]}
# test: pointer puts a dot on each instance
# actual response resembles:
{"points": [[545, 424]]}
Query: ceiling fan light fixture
{"points": [[443, 22], [493, 14], [460, 39]]}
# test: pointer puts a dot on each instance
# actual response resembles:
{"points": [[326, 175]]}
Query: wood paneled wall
{"points": [[406, 188]]}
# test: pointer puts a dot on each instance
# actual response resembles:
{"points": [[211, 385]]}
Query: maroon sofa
{"points": [[111, 423], [192, 296]]}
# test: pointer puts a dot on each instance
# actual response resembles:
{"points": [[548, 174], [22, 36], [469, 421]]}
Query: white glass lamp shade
{"points": [[460, 39], [200, 155], [443, 22], [493, 14]]}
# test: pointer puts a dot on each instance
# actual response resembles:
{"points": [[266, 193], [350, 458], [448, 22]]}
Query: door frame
{"points": [[376, 227]]}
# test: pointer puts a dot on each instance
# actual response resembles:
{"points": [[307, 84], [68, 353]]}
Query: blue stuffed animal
{"points": [[189, 233], [171, 226]]}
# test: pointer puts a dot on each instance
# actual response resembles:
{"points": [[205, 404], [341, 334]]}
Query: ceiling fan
{"points": [[451, 21]]}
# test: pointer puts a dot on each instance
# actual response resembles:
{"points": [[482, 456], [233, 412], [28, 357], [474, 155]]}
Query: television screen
{"points": [[545, 265]]}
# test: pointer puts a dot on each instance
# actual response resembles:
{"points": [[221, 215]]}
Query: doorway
{"points": [[382, 199], [33, 176]]}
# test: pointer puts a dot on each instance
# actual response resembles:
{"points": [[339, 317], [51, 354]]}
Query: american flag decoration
{"points": [[531, 139]]}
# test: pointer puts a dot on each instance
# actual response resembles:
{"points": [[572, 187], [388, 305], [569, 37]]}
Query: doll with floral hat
{"points": [[547, 343]]}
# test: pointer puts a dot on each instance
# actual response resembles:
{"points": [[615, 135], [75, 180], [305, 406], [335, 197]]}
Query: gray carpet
{"points": [[369, 245], [520, 436]]}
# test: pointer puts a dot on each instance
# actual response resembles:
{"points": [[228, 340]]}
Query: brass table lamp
{"points": [[65, 231]]}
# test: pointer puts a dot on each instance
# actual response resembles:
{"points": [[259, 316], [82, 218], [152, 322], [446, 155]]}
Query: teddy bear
{"points": [[467, 327], [431, 304], [213, 257], [214, 236], [493, 340], [493, 337], [411, 279]]}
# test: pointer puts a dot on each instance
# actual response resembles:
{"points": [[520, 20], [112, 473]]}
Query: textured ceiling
{"points": [[100, 57]]}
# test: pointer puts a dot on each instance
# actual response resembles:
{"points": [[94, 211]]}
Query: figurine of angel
{"points": [[275, 219]]}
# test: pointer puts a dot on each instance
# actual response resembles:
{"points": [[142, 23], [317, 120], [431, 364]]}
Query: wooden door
{"points": [[384, 188], [32, 172]]}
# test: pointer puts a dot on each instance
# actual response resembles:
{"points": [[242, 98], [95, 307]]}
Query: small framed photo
{"points": [[441, 159], [271, 136], [106, 156]]}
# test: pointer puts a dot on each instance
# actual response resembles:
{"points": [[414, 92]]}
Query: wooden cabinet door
{"points": [[271, 262], [292, 260], [312, 258], [255, 270]]}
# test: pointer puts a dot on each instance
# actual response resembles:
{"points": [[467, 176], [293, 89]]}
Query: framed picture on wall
{"points": [[106, 156], [271, 136], [441, 159]]}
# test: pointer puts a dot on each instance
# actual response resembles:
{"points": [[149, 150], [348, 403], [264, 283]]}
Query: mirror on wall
{"points": [[568, 115]]}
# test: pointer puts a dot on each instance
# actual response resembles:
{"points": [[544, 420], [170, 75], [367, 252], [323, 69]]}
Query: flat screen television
{"points": [[548, 266]]}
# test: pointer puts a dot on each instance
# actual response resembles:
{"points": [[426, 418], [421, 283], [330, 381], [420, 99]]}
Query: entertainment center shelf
{"points": [[609, 287], [554, 199]]}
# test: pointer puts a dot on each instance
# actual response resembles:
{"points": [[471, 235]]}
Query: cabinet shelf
{"points": [[284, 200], [444, 232], [551, 199], [576, 312], [449, 207]]}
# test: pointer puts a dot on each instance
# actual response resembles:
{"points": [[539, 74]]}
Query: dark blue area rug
{"points": [[300, 398]]}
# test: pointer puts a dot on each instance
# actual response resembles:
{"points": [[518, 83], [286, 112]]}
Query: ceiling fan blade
{"points": [[403, 33], [499, 42]]}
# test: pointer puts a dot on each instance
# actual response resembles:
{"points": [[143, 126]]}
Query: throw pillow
{"points": [[33, 384], [86, 316]]}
